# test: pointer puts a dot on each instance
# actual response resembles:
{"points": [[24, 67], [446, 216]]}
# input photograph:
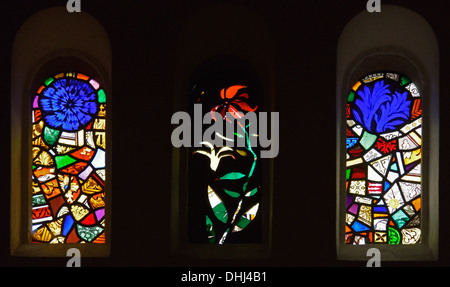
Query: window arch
{"points": [[386, 210], [61, 88]]}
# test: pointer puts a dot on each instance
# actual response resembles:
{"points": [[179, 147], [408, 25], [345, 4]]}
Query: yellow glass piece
{"points": [[380, 237], [35, 187], [100, 139], [416, 138], [62, 149], [97, 201], [354, 162], [35, 151], [90, 186], [410, 157], [78, 211], [102, 111], [356, 86], [99, 124], [37, 129], [358, 187], [42, 234], [365, 214], [39, 142], [55, 226], [373, 77], [43, 159], [393, 203]]}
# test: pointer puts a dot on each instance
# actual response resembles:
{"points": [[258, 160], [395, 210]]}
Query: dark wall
{"points": [[143, 36]]}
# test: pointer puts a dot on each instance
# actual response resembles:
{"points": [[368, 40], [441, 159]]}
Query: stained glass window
{"points": [[225, 181], [68, 160], [383, 160]]}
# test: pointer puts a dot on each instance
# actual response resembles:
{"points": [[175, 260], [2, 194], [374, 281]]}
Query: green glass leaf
{"points": [[217, 206], [246, 218], [242, 223], [232, 193], [232, 176], [251, 192], [221, 212], [50, 135], [210, 230]]}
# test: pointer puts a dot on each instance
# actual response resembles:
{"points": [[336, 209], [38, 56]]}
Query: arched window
{"points": [[61, 151], [225, 183], [234, 221], [387, 137]]}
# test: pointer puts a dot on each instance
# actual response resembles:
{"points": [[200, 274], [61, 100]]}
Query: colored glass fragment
{"points": [[217, 205], [232, 176], [246, 218], [101, 96], [251, 192], [50, 135], [210, 230]]}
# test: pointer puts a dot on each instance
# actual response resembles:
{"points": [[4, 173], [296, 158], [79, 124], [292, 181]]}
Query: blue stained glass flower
{"points": [[68, 104], [379, 110]]}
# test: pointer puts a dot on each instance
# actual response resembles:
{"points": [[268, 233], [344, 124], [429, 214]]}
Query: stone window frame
{"points": [[362, 49], [39, 50]]}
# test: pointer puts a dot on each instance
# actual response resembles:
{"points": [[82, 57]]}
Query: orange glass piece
{"points": [[82, 77], [417, 203]]}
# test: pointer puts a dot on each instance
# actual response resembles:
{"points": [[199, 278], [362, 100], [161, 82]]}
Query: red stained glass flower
{"points": [[386, 146], [233, 102]]}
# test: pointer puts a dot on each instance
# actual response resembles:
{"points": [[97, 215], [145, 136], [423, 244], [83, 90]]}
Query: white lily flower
{"points": [[215, 158]]}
